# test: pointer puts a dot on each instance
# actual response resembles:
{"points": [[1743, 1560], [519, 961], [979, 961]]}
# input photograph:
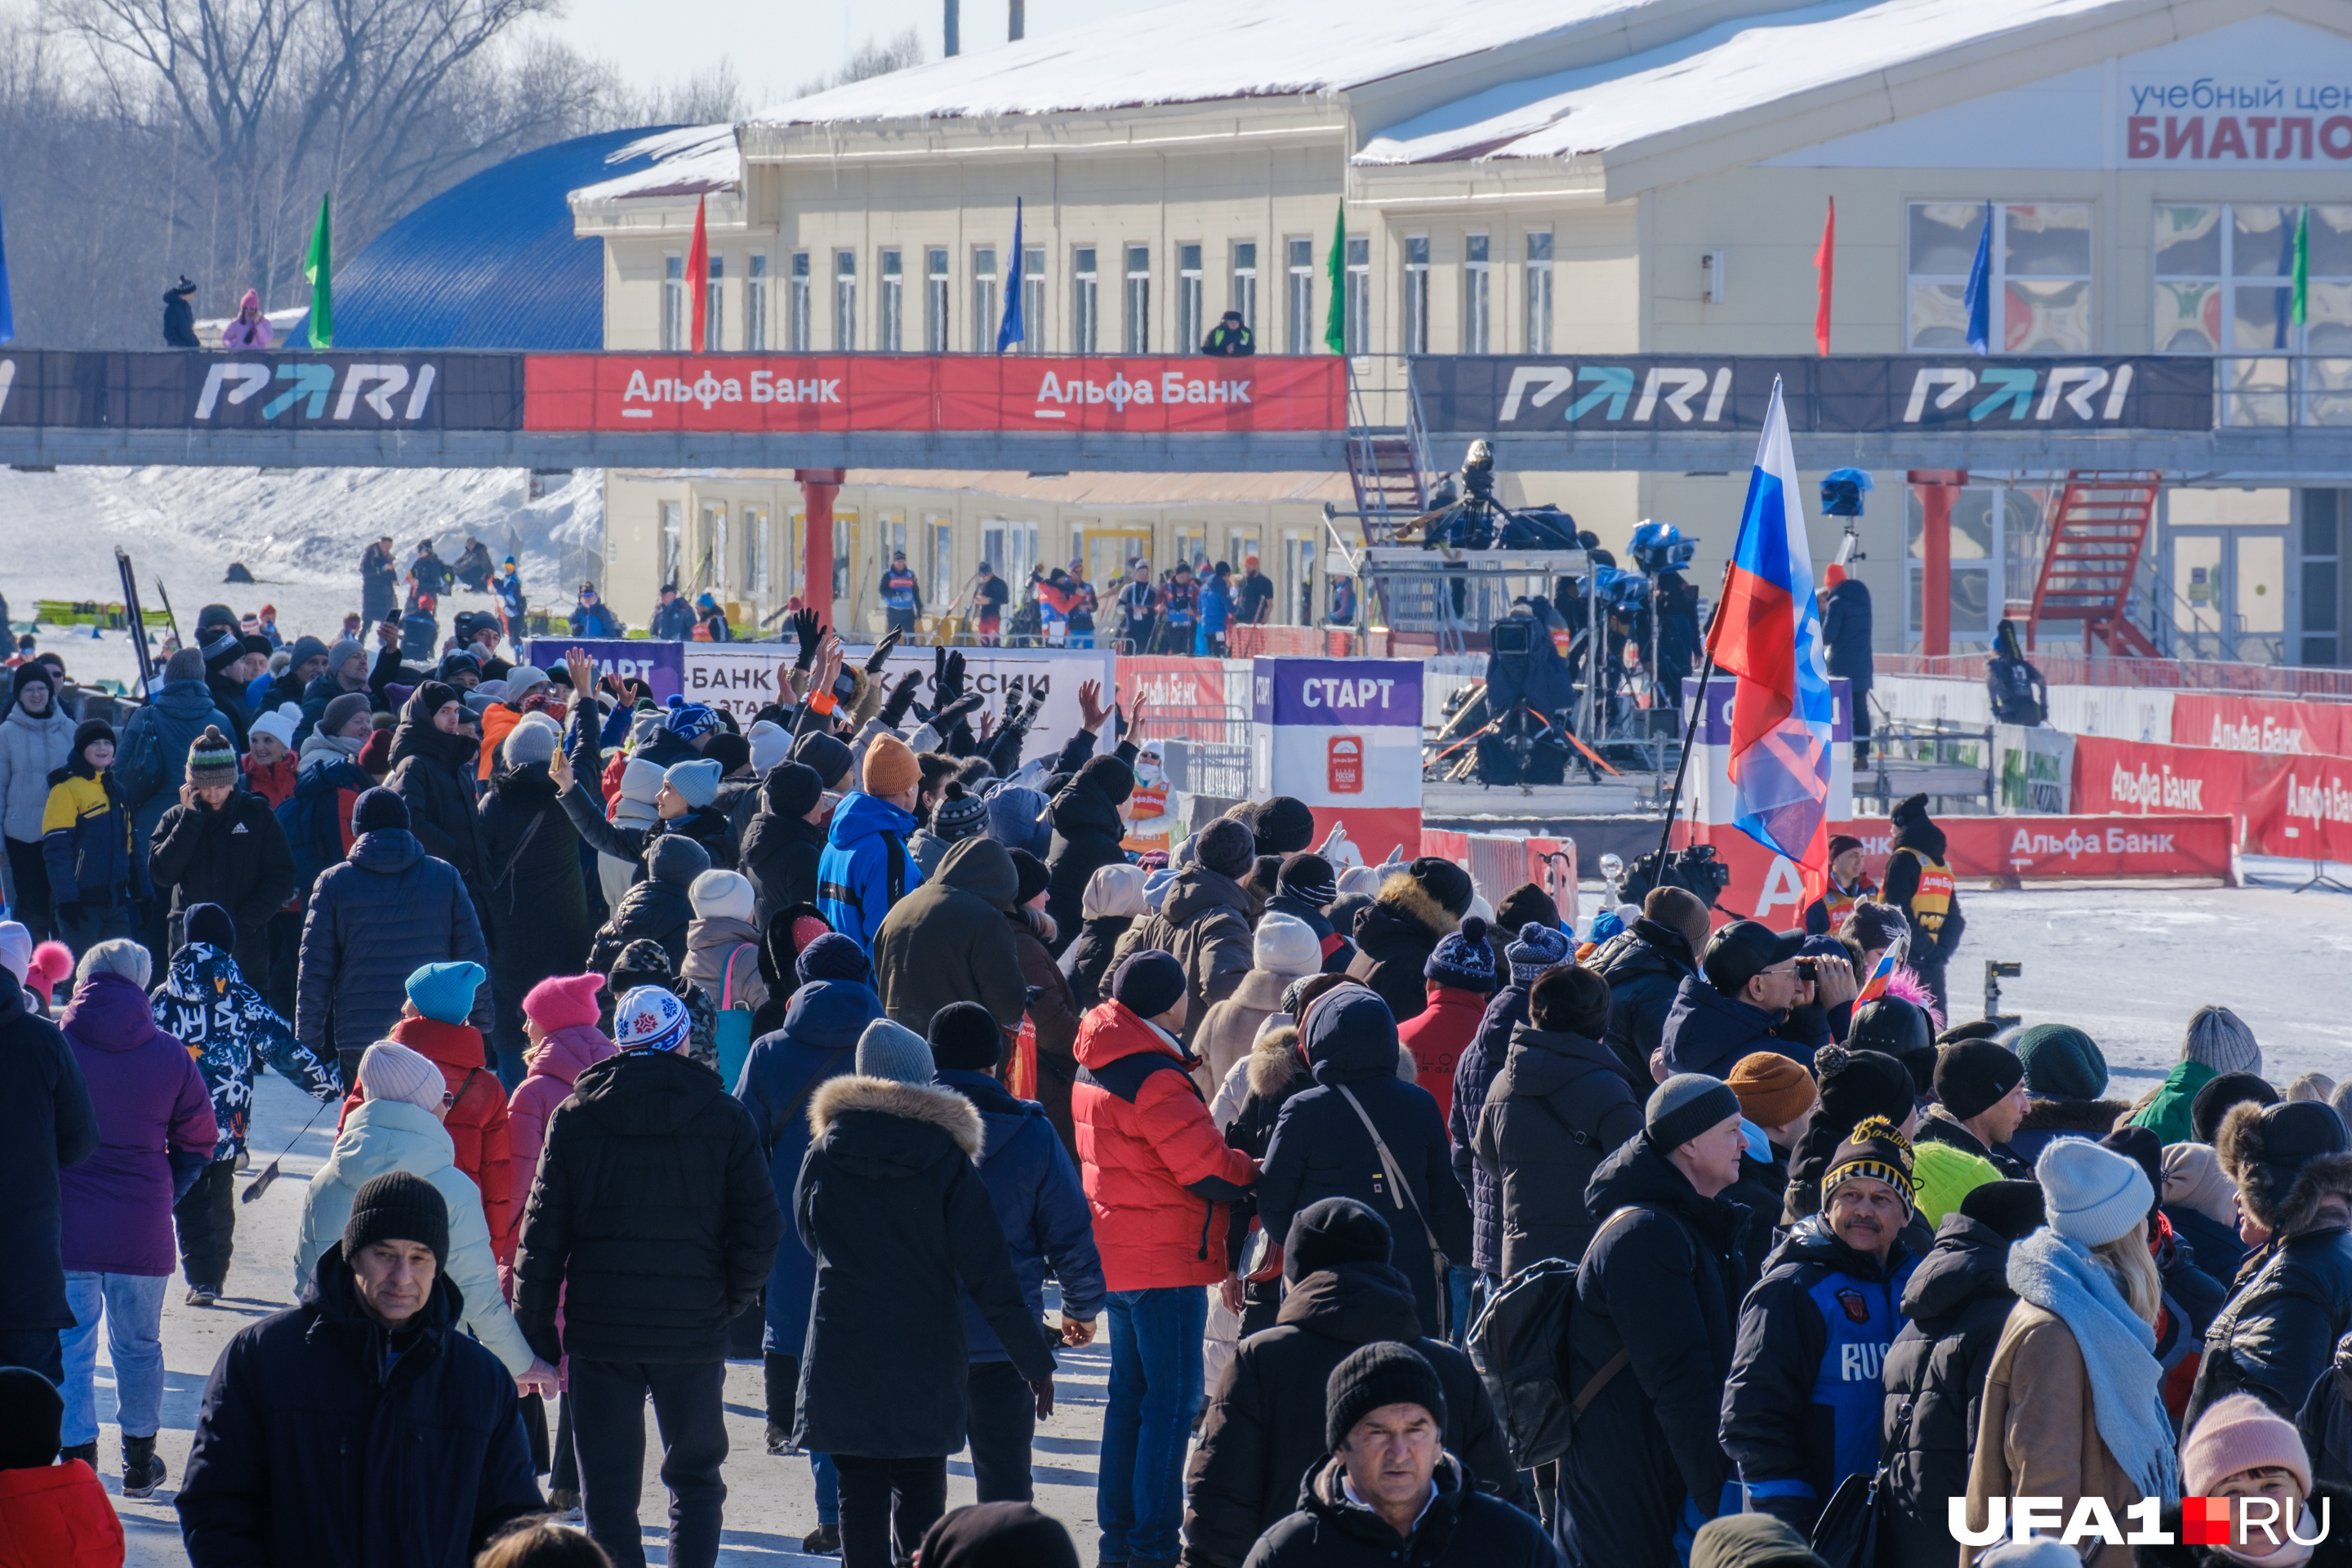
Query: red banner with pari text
{"points": [[786, 394]]}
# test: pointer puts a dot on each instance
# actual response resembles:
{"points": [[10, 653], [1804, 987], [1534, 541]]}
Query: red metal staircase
{"points": [[2096, 538], [1390, 488]]}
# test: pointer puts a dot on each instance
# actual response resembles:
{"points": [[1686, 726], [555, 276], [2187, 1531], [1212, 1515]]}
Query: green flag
{"points": [[2302, 306], [318, 265], [1335, 319]]}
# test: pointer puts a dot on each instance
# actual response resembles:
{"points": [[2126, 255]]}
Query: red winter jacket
{"points": [[477, 1123], [1438, 1037], [1157, 1175], [274, 784], [58, 1516]]}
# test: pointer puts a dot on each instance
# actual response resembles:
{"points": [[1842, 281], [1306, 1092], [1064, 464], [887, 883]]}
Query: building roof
{"points": [[690, 161], [1197, 51], [491, 263]]}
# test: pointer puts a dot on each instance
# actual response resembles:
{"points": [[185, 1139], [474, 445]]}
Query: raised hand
{"points": [[582, 670], [807, 627], [1091, 712], [881, 654]]}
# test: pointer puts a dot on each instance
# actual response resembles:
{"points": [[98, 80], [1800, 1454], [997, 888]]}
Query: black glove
{"points": [[947, 717], [902, 697], [68, 910], [881, 654], [811, 631], [948, 677]]}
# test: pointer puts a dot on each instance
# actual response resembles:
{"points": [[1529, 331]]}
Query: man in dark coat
{"points": [[1980, 1102], [1537, 948], [371, 922], [45, 1124], [948, 940], [433, 773], [784, 839], [1414, 911], [1846, 640], [1644, 965], [180, 316], [1747, 997], [652, 1223], [1919, 882], [1323, 1148], [1559, 1105], [534, 896], [378, 583], [1264, 1425], [903, 1229], [658, 909], [1205, 920], [1656, 1305], [360, 1426], [1086, 833], [1307, 888], [222, 845], [1957, 1301], [1391, 1492]]}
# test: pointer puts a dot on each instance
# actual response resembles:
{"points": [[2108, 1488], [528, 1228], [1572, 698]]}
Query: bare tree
{"points": [[875, 57]]}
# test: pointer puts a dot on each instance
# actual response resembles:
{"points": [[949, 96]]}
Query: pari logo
{"points": [[1610, 388], [2252, 1520], [2076, 387], [311, 383]]}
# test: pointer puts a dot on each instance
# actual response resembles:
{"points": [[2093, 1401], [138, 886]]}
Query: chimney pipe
{"points": [[954, 30], [1015, 21]]}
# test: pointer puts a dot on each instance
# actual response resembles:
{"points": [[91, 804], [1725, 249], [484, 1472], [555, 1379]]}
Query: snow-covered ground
{"points": [[298, 532]]}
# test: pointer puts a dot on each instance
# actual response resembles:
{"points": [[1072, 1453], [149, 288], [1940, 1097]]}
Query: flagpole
{"points": [[1698, 711]]}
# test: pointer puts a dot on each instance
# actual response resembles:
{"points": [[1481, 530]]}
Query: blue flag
{"points": [[1979, 298], [7, 311], [1010, 332]]}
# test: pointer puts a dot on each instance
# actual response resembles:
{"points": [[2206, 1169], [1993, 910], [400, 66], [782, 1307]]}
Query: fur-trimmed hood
{"points": [[950, 1113], [2095, 1117], [1274, 1065], [1404, 898], [2242, 1145]]}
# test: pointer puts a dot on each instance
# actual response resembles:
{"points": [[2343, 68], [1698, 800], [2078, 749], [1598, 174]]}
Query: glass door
{"points": [[1297, 605], [2198, 594], [1108, 552], [2258, 592]]}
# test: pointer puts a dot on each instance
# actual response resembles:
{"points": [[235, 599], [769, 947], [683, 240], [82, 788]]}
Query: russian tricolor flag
{"points": [[1769, 633]]}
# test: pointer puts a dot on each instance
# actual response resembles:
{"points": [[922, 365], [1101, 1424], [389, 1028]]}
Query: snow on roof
{"points": [[686, 162], [1196, 51], [1713, 74]]}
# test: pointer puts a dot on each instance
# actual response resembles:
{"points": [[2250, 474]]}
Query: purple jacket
{"points": [[151, 1106]]}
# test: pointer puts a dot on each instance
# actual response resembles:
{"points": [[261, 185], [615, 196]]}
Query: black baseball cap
{"points": [[1745, 949]]}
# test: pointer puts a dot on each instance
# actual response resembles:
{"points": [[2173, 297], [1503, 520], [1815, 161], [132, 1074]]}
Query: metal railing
{"points": [[2070, 669]]}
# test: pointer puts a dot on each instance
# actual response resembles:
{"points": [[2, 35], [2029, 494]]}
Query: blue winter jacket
{"points": [[1041, 1201], [1802, 1405], [1474, 1076], [371, 922], [818, 1041], [1708, 1032], [151, 759], [853, 875]]}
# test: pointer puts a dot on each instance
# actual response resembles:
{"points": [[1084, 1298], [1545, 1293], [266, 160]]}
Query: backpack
{"points": [[313, 832], [1519, 1347], [142, 770]]}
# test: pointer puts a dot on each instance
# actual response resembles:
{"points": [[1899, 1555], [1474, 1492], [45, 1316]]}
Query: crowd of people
{"points": [[858, 1041]]}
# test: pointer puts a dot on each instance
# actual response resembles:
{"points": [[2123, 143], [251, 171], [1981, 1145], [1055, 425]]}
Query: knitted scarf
{"points": [[2062, 1276]]}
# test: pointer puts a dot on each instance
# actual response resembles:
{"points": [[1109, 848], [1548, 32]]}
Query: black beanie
{"points": [[1382, 1372], [2214, 1100], [827, 755], [1449, 884], [1859, 1085], [1112, 776], [790, 789], [2143, 1148], [1226, 848], [1331, 1231], [209, 923], [1148, 982], [1974, 1076], [1308, 878], [378, 810], [1284, 826], [398, 1207], [428, 700], [1032, 877], [88, 730], [1524, 905], [32, 1419], [964, 1037], [2013, 1208]]}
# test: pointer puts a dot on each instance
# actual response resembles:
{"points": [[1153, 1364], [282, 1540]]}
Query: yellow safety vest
{"points": [[1933, 900]]}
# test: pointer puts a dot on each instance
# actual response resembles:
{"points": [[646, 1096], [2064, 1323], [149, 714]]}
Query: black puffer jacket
{"points": [[1086, 962], [1558, 1109], [902, 1228], [1643, 965], [45, 1124], [653, 1219], [1264, 1432], [1393, 942], [948, 940], [1461, 1527], [2273, 1339], [533, 895], [1957, 1300], [780, 855], [2325, 1421], [1707, 1032], [236, 858], [433, 773], [309, 1449], [656, 910], [371, 922], [1086, 833], [1661, 1284], [1473, 1078], [1205, 922]]}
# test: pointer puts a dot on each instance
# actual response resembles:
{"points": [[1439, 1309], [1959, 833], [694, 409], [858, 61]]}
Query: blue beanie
{"points": [[688, 720], [834, 956], [1463, 960], [444, 992], [1538, 948], [695, 781]]}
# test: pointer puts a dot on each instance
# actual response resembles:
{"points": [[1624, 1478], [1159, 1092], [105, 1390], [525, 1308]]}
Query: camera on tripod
{"points": [[1659, 547], [1695, 870]]}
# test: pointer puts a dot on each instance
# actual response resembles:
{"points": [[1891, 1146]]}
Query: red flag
{"points": [[1824, 263], [697, 277]]}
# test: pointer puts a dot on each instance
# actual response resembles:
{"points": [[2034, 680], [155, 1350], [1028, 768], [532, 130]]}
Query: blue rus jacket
{"points": [[864, 868], [1039, 1198], [1708, 1032]]}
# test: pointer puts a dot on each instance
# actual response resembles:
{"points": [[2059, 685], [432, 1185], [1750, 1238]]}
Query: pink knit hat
{"points": [[390, 1070], [2240, 1434], [564, 1002]]}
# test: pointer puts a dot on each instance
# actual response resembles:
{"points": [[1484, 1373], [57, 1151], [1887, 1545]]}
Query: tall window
{"points": [[1083, 314], [935, 299], [1188, 326], [713, 567], [1359, 293], [672, 541], [1033, 300], [1477, 294], [797, 335], [714, 307], [1416, 295], [1538, 322], [2225, 277], [943, 582], [889, 329], [1244, 297], [755, 305], [1298, 295], [2322, 548], [983, 299], [673, 318], [1137, 300], [845, 299], [2040, 288], [755, 553]]}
